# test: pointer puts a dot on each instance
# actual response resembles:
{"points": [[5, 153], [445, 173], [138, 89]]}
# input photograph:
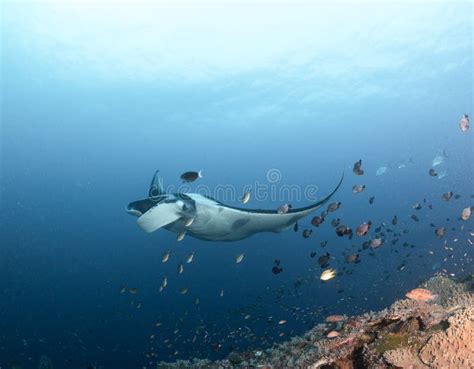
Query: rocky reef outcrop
{"points": [[409, 334]]}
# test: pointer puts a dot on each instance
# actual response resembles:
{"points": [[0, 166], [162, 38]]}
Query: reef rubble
{"points": [[409, 334]]}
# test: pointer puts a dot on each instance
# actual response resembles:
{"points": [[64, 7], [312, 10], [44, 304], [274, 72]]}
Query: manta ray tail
{"points": [[320, 202]]}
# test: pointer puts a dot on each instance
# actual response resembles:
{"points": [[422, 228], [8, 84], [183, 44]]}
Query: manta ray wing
{"points": [[158, 216]]}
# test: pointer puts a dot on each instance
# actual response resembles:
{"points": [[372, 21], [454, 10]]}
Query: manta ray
{"points": [[205, 218]]}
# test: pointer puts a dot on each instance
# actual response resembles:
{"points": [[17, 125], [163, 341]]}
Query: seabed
{"points": [[408, 334]]}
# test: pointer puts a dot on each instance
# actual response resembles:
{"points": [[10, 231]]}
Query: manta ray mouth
{"points": [[140, 207]]}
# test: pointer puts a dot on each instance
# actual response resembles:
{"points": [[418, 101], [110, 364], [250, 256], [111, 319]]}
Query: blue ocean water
{"points": [[97, 96]]}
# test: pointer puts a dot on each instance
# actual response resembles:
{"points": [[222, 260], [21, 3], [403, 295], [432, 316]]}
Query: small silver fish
{"points": [[327, 274], [464, 123], [164, 283], [165, 257], [190, 258], [245, 197], [239, 258], [188, 222], [376, 243], [416, 206], [180, 268], [381, 171], [358, 188], [222, 293], [180, 236], [285, 208], [437, 160], [183, 291], [466, 213]]}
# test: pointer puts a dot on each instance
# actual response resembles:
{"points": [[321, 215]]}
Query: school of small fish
{"points": [[370, 237]]}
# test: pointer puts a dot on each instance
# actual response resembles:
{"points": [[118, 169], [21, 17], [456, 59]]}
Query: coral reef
{"points": [[403, 358], [409, 334], [453, 348]]}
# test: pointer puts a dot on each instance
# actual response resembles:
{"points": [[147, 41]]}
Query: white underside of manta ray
{"points": [[210, 220]]}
